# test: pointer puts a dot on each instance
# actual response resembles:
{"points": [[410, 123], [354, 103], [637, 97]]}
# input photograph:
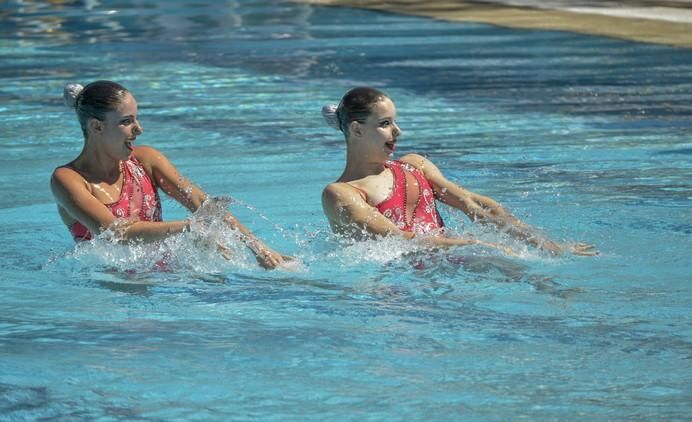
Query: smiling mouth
{"points": [[130, 144], [391, 145]]}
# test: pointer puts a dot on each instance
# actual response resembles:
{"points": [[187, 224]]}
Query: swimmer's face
{"points": [[121, 127], [380, 130]]}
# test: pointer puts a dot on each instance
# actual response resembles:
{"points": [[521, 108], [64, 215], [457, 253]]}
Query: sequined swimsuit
{"points": [[425, 217], [139, 199]]}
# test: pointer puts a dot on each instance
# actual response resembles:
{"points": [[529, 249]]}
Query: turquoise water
{"points": [[587, 138]]}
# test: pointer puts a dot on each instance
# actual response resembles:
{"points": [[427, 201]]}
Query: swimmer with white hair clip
{"points": [[112, 181], [378, 196]]}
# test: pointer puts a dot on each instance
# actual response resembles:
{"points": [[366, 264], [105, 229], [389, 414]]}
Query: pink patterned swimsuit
{"points": [[424, 217], [139, 199]]}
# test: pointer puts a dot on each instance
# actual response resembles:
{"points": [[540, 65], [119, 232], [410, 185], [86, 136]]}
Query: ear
{"points": [[95, 125], [355, 129]]}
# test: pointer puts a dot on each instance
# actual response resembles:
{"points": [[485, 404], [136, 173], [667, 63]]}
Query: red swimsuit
{"points": [[139, 199], [425, 217]]}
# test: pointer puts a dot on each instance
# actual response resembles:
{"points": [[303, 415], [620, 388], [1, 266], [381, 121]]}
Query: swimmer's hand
{"points": [[580, 249], [583, 249], [268, 258]]}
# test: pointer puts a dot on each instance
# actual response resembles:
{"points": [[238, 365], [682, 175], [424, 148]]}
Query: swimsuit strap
{"points": [[401, 187], [400, 182]]}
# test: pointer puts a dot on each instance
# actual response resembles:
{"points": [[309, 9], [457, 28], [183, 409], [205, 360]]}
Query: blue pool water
{"points": [[587, 138]]}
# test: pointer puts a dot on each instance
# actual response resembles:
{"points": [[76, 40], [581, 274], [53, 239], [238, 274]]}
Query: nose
{"points": [[138, 127], [397, 129]]}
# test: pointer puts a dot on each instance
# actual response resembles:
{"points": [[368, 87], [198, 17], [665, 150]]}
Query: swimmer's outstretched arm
{"points": [[486, 210], [348, 213], [167, 177]]}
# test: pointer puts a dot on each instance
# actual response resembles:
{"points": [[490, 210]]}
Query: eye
{"points": [[385, 123], [126, 122]]}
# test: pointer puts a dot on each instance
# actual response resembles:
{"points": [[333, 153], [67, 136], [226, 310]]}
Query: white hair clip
{"points": [[70, 94], [330, 116]]}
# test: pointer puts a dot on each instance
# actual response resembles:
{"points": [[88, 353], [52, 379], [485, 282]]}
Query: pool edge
{"points": [[677, 34]]}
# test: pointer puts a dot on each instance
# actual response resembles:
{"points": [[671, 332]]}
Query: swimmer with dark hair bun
{"points": [[378, 196], [114, 184]]}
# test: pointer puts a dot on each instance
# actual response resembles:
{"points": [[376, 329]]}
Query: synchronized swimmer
{"points": [[378, 196], [112, 182]]}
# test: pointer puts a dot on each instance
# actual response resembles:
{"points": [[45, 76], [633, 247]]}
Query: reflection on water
{"points": [[91, 21]]}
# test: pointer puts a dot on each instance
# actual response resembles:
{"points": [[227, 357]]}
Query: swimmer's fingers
{"points": [[583, 249], [268, 258], [266, 263]]}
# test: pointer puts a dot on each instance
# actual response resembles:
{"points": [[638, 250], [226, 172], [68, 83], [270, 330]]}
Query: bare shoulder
{"points": [[62, 172], [145, 153], [416, 160], [342, 196], [421, 163], [65, 182], [64, 176], [153, 160], [335, 192]]}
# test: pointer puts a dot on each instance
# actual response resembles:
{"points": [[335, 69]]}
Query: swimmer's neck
{"points": [[360, 170], [97, 165]]}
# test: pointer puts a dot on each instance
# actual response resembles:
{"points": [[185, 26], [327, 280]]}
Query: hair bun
{"points": [[330, 116], [70, 94]]}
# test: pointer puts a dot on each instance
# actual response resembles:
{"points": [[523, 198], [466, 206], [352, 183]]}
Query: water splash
{"points": [[210, 246]]}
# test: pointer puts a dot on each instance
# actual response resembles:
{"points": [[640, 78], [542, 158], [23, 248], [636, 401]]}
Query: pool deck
{"points": [[666, 22]]}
